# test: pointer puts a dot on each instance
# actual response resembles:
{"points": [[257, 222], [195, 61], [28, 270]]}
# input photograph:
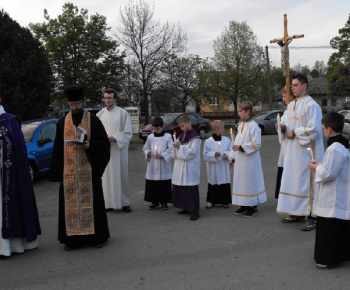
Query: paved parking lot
{"points": [[164, 250]]}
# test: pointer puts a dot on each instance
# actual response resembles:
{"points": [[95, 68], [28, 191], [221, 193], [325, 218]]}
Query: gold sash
{"points": [[77, 181]]}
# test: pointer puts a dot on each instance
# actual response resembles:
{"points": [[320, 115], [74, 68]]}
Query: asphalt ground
{"points": [[164, 250]]}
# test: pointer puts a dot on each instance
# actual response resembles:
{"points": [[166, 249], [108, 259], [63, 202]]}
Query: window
{"points": [[49, 131], [333, 102], [214, 101], [193, 118], [324, 102]]}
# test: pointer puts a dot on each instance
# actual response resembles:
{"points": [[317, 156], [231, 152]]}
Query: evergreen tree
{"points": [[25, 75], [338, 75]]}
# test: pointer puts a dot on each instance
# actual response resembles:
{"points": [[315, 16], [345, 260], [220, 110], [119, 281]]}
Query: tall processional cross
{"points": [[283, 43]]}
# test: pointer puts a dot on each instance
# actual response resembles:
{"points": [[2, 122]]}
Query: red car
{"points": [[202, 126]]}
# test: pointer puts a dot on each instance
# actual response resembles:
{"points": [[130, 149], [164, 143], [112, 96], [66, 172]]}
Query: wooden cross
{"points": [[284, 42]]}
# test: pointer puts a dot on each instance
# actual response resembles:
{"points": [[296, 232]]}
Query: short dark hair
{"points": [[110, 91], [157, 122], [301, 78], [334, 120]]}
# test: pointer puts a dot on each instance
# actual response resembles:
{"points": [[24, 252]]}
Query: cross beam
{"points": [[284, 42]]}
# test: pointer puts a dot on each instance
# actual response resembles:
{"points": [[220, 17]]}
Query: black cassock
{"points": [[98, 155]]}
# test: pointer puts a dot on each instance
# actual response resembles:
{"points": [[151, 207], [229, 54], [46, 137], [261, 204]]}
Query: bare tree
{"points": [[149, 42], [182, 77]]}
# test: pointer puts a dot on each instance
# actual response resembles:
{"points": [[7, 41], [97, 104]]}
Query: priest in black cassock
{"points": [[80, 155]]}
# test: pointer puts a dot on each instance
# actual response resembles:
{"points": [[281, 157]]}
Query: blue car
{"points": [[39, 136]]}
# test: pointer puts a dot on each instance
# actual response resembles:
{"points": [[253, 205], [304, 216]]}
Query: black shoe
{"points": [[242, 210], [183, 211], [99, 246], [109, 209], [252, 211], [152, 206], [293, 219], [194, 216], [309, 225], [164, 206], [126, 208]]}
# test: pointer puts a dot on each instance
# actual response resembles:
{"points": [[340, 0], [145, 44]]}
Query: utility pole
{"points": [[268, 77]]}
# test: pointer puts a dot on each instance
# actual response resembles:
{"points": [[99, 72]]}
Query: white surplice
{"points": [[304, 116], [187, 163], [332, 198], [159, 169], [218, 169], [248, 187], [115, 180]]}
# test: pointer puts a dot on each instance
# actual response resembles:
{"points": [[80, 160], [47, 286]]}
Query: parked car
{"points": [[201, 125], [39, 136], [93, 110], [346, 129], [267, 120]]}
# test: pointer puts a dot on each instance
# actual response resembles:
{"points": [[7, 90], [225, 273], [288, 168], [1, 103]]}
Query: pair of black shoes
{"points": [[69, 247], [153, 206]]}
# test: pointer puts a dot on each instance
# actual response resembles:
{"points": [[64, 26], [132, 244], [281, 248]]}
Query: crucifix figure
{"points": [[283, 43]]}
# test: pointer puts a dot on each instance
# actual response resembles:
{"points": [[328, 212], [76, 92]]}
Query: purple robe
{"points": [[20, 217]]}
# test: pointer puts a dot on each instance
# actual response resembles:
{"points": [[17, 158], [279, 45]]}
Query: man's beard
{"points": [[76, 111]]}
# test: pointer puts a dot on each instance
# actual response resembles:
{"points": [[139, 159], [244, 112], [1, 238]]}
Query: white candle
{"points": [[174, 136], [218, 149], [280, 139], [311, 154], [155, 149], [232, 136]]}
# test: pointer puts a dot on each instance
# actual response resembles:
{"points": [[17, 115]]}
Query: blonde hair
{"points": [[184, 119], [245, 106], [217, 124]]}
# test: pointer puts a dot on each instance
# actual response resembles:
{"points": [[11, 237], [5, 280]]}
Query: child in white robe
{"points": [[216, 151], [248, 187], [158, 152], [186, 173], [332, 199]]}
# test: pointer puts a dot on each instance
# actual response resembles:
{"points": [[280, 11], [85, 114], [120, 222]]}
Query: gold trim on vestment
{"points": [[293, 195], [77, 182], [288, 213], [251, 143], [248, 195], [307, 134]]}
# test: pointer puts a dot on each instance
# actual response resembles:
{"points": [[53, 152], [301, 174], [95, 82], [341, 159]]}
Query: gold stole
{"points": [[77, 180]]}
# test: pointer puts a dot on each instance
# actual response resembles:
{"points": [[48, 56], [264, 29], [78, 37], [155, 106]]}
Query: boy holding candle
{"points": [[186, 173], [332, 199], [216, 151], [158, 152], [247, 192]]}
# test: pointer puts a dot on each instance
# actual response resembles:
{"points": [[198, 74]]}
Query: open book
{"points": [[81, 133]]}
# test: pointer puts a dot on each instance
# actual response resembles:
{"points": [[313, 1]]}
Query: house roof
{"points": [[317, 87]]}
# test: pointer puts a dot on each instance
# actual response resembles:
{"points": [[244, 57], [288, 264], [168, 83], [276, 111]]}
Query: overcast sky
{"points": [[204, 21]]}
